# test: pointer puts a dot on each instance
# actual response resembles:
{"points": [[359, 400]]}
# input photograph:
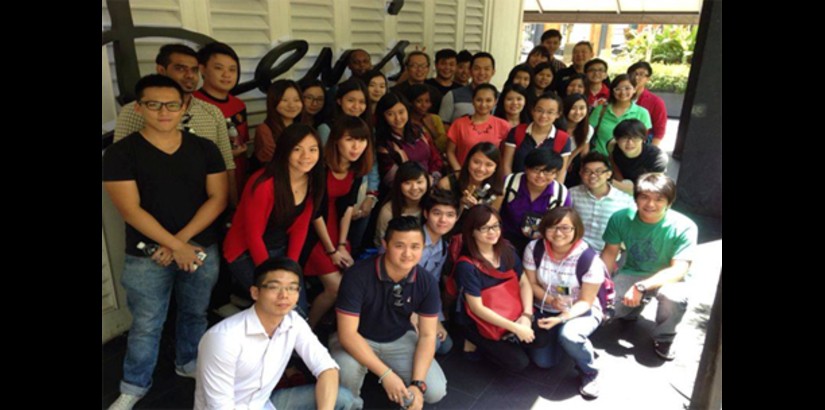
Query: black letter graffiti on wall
{"points": [[123, 34]]}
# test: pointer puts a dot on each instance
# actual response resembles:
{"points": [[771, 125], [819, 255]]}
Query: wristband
{"points": [[380, 379]]}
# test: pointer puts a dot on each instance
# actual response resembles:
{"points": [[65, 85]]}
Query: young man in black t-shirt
{"points": [[169, 186]]}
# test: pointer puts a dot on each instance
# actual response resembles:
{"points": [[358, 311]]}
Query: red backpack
{"points": [[559, 140]]}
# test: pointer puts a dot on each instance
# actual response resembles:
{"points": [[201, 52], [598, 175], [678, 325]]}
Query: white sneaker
{"points": [[125, 402]]}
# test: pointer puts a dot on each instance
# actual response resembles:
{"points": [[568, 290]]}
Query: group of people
{"points": [[504, 214]]}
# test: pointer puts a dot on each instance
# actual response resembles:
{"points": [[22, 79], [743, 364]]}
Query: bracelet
{"points": [[344, 244], [563, 319], [332, 253], [380, 379], [528, 315]]}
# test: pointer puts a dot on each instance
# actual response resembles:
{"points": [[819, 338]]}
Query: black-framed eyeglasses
{"points": [[488, 228], [171, 106], [599, 172], [274, 287], [314, 99]]}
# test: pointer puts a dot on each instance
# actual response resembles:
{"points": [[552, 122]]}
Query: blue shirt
{"points": [[432, 259], [383, 306]]}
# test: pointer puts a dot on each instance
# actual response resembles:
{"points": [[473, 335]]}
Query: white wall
{"points": [[253, 27]]}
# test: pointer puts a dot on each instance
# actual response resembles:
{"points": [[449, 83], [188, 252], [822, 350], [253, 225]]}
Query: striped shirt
{"points": [[596, 212], [205, 120], [456, 104]]}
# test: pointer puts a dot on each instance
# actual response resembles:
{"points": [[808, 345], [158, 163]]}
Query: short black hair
{"points": [[638, 65], [156, 80], [439, 197], [276, 263], [595, 61], [595, 156], [464, 56], [444, 54], [483, 54], [417, 53], [403, 224], [550, 34], [548, 159], [217, 48], [630, 127], [167, 50]]}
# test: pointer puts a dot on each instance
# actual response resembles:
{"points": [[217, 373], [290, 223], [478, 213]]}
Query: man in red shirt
{"points": [[654, 104]]}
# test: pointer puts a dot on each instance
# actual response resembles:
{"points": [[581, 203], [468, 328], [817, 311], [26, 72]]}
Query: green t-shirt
{"points": [[651, 247], [605, 132]]}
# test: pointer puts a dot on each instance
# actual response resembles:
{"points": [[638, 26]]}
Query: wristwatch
{"points": [[640, 287], [420, 384]]}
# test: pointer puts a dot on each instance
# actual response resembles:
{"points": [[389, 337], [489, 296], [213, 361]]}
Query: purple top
{"points": [[514, 213]]}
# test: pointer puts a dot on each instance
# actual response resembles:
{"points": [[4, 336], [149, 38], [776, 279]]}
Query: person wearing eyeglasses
{"points": [[620, 106], [539, 134], [180, 63], [530, 194], [655, 105], [495, 298], [418, 66], [244, 356], [582, 53], [597, 91], [169, 186], [376, 300], [596, 200], [660, 245], [566, 308], [630, 155]]}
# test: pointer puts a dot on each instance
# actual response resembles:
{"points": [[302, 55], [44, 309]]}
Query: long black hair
{"points": [[278, 171]]}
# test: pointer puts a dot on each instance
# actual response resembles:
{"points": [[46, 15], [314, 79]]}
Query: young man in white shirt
{"points": [[244, 356]]}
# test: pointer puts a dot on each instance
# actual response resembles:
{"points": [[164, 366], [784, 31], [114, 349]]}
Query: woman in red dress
{"points": [[348, 156]]}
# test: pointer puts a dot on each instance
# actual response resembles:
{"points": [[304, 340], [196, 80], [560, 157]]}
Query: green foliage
{"points": [[667, 43], [669, 78]]}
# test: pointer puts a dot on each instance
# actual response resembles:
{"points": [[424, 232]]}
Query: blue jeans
{"points": [[398, 355], [443, 347], [148, 290], [571, 338], [303, 398], [243, 275]]}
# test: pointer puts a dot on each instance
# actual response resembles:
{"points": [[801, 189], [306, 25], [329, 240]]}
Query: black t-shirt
{"points": [[275, 235], [171, 187], [652, 159], [442, 89]]}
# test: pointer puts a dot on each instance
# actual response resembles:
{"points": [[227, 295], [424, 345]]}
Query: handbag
{"points": [[503, 298]]}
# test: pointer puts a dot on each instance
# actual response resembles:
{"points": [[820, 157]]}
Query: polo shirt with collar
{"points": [[384, 306]]}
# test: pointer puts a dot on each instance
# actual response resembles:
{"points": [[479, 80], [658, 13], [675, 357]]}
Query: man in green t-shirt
{"points": [[660, 244]]}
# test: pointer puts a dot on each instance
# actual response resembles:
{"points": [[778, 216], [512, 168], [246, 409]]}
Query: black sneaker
{"points": [[664, 350]]}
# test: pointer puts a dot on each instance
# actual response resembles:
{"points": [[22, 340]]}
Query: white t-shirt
{"points": [[558, 278]]}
